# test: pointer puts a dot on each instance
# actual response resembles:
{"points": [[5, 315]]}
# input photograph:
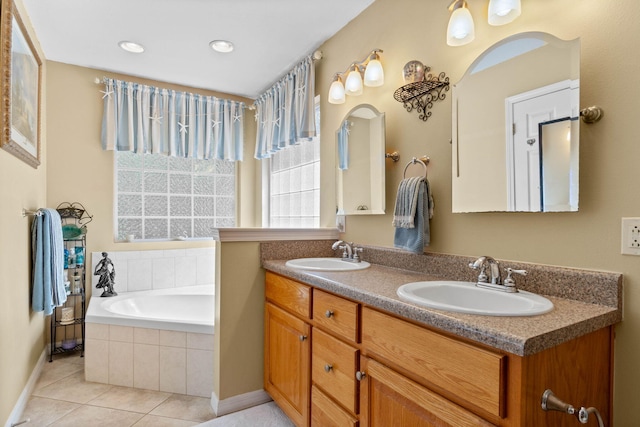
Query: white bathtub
{"points": [[153, 340], [184, 309]]}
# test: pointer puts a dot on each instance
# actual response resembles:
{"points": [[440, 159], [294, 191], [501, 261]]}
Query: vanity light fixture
{"points": [[370, 68], [461, 29], [132, 47], [503, 11], [222, 46], [336, 91]]}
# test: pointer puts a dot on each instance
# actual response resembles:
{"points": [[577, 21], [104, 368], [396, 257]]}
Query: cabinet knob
{"points": [[328, 313], [328, 368], [302, 337], [360, 375]]}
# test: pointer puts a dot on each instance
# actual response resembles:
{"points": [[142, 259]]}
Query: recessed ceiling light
{"points": [[222, 46], [131, 46]]}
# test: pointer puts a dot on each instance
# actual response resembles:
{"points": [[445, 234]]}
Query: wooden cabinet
{"points": [[391, 399], [287, 353], [330, 361], [464, 373]]}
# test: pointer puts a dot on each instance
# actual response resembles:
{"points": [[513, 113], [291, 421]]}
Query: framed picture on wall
{"points": [[21, 82]]}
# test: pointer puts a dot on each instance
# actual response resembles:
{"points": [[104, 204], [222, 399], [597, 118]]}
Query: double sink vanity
{"points": [[371, 346]]}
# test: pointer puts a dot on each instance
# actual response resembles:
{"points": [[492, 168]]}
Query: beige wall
{"points": [[21, 330], [590, 238], [76, 169]]}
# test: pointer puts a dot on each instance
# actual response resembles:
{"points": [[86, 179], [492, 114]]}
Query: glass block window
{"points": [[294, 184], [161, 197]]}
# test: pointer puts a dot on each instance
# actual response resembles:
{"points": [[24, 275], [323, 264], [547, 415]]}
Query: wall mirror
{"points": [[360, 149], [515, 135]]}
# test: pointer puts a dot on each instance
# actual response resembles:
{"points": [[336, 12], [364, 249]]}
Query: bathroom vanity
{"points": [[341, 349]]}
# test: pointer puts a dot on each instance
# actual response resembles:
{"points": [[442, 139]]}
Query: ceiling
{"points": [[270, 37]]}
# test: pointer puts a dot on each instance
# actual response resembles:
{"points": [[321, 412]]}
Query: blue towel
{"points": [[413, 235], [48, 261]]}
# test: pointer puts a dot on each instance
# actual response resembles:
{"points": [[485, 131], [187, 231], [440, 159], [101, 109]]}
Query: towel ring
{"points": [[423, 161]]}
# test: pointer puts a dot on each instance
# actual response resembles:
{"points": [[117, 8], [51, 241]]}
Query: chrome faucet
{"points": [[349, 250], [496, 282]]}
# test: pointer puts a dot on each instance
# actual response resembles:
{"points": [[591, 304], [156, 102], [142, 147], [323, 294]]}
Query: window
{"points": [[162, 197], [294, 184]]}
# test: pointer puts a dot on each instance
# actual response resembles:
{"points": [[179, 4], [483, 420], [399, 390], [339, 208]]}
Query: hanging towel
{"points": [[48, 261], [414, 208]]}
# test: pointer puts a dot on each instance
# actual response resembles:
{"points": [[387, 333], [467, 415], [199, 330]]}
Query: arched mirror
{"points": [[360, 149], [516, 129]]}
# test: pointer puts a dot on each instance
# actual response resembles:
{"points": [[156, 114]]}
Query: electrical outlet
{"points": [[631, 236]]}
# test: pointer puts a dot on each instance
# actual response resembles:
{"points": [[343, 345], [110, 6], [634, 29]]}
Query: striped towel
{"points": [[407, 202], [413, 234]]}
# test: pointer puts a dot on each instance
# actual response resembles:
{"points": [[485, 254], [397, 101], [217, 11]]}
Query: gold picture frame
{"points": [[21, 83]]}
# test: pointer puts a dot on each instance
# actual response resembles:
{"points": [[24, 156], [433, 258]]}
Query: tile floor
{"points": [[63, 398]]}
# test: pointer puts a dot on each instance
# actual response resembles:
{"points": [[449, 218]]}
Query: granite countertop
{"points": [[376, 287]]}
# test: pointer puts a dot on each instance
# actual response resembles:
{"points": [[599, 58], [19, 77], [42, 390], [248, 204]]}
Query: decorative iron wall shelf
{"points": [[420, 96]]}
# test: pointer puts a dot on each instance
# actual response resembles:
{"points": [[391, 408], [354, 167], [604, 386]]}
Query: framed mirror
{"points": [[515, 136], [360, 149]]}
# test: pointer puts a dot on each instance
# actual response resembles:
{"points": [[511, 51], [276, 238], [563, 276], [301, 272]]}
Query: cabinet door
{"points": [[287, 363], [390, 399]]}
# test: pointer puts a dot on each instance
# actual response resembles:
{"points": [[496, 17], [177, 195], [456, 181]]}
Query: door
{"points": [[390, 399], [526, 112], [287, 360]]}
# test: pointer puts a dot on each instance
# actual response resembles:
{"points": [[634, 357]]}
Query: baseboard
{"points": [[239, 402], [21, 404]]}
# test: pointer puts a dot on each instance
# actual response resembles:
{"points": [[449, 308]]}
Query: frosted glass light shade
{"points": [[461, 29], [336, 93], [503, 11], [374, 74], [353, 85]]}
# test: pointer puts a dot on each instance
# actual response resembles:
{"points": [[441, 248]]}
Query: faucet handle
{"points": [[344, 251], [356, 250], [482, 277], [509, 280]]}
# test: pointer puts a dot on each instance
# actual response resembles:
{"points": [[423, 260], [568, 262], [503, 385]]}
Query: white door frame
{"points": [[509, 122]]}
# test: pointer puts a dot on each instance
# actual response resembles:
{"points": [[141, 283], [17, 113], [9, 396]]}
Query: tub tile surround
{"points": [[157, 269], [151, 359], [584, 300]]}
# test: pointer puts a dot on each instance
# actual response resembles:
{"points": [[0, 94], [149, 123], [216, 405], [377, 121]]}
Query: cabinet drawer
{"points": [[336, 315], [462, 372], [288, 294], [325, 413], [333, 368]]}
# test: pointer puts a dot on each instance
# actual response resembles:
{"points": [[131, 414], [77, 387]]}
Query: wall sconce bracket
{"points": [[420, 96]]}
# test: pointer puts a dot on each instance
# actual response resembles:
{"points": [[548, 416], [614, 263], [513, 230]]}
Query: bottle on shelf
{"points": [[79, 251], [77, 283], [71, 259]]}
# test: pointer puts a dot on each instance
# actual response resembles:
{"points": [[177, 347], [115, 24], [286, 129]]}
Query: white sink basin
{"points": [[326, 264], [465, 297]]}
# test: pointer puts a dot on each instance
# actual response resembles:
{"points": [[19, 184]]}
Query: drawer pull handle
{"points": [[303, 337], [328, 314], [360, 375], [328, 368]]}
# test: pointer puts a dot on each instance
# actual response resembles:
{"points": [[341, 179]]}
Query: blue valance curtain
{"points": [[147, 119], [286, 112]]}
